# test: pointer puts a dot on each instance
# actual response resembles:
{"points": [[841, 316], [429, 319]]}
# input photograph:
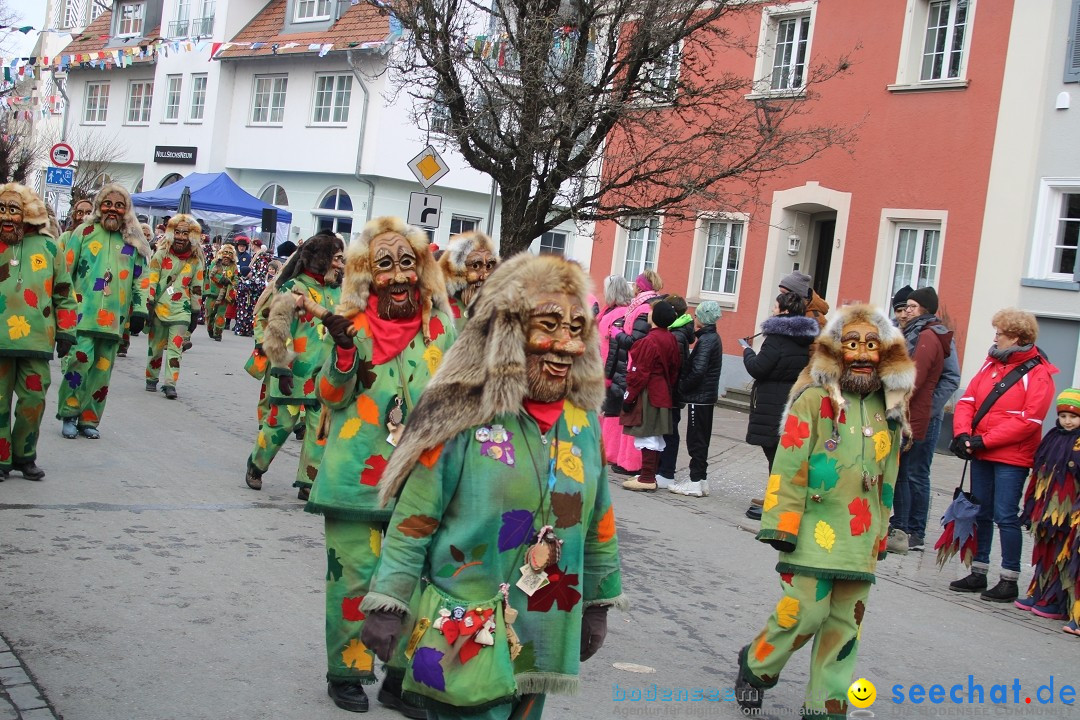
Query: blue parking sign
{"points": [[61, 177]]}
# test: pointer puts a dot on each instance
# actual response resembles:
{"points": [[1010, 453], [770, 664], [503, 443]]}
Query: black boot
{"points": [[1005, 591], [753, 512], [348, 696], [304, 493], [254, 476], [170, 391], [748, 696], [31, 471], [390, 696], [975, 582], [299, 431]]}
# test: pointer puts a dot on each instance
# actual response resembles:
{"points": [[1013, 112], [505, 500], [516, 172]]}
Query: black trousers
{"points": [[670, 455], [699, 420]]}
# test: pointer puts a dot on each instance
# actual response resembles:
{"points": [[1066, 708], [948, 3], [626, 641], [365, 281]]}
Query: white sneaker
{"points": [[687, 487], [663, 483], [704, 487], [897, 542]]}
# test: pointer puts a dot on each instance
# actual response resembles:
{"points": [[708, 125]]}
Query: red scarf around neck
{"points": [[545, 414], [390, 337]]}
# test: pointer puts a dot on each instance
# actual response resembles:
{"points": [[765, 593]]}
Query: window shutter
{"points": [[1072, 49]]}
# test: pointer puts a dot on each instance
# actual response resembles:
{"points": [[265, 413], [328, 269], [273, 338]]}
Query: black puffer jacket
{"points": [[784, 354], [615, 369], [700, 382], [684, 335]]}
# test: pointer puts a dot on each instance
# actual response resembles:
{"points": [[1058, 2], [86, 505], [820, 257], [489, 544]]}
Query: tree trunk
{"points": [[515, 232]]}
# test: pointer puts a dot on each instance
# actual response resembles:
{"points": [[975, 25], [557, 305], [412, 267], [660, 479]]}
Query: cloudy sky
{"points": [[29, 12]]}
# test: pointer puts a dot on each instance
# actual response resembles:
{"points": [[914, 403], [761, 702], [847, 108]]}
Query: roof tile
{"points": [[361, 23]]}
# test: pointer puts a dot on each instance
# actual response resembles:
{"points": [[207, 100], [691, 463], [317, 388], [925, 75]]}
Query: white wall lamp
{"points": [[794, 243]]}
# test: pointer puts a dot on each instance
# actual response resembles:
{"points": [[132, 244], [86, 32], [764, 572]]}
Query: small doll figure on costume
{"points": [[1050, 507], [826, 506]]}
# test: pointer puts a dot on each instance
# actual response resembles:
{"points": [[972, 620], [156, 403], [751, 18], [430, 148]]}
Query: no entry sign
{"points": [[61, 155]]}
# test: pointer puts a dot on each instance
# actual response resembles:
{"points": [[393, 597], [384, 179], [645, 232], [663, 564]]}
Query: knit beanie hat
{"points": [[663, 314], [899, 300], [708, 312], [643, 283], [1069, 401], [798, 283], [927, 297]]}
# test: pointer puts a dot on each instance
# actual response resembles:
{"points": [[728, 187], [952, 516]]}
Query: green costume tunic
{"points": [[257, 363], [218, 292], [175, 294], [38, 308], [110, 281], [827, 509], [464, 519], [311, 344], [345, 492]]}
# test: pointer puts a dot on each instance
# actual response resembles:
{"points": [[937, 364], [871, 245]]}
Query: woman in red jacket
{"points": [[1002, 446]]}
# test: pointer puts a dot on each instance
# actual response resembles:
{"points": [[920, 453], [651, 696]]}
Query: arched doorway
{"points": [[170, 179]]}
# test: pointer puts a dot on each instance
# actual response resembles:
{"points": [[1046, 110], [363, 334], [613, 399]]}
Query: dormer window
{"points": [[312, 10], [129, 18]]}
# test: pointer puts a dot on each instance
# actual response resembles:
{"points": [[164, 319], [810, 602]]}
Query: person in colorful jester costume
{"points": [[39, 312], [1052, 509], [296, 345], [827, 505], [257, 364], [79, 212], [394, 293], [107, 257], [175, 296], [467, 262], [506, 508], [219, 290]]}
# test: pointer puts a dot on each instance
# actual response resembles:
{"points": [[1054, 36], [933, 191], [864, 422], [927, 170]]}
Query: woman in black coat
{"points": [[784, 353]]}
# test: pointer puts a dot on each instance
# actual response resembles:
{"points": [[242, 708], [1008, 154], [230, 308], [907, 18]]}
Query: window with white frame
{"points": [[181, 26], [275, 195], [198, 97], [553, 242], [1057, 231], [723, 244], [935, 44], [440, 116], [73, 14], [662, 77], [129, 18], [783, 57], [268, 100], [334, 213], [96, 8], [97, 103], [915, 262], [459, 224], [332, 96], [307, 10], [642, 243], [140, 94], [173, 84]]}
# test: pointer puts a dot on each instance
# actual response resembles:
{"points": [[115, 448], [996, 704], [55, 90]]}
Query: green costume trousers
{"points": [[87, 369], [352, 554], [527, 707], [827, 610], [278, 422], [29, 379], [215, 317], [166, 344]]}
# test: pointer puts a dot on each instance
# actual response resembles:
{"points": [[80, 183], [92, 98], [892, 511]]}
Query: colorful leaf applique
{"points": [[569, 463], [66, 319], [429, 457], [772, 490], [427, 668], [350, 609], [824, 587], [433, 356], [860, 516], [33, 382], [38, 262], [605, 529], [418, 526], [795, 431], [824, 535], [18, 327], [823, 471], [30, 297], [559, 592], [366, 409], [882, 445], [787, 612], [516, 530], [356, 656], [334, 568], [349, 428], [576, 418], [374, 467], [789, 522], [567, 509], [375, 542]]}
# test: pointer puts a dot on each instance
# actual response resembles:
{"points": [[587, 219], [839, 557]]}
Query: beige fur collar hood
{"points": [[131, 230], [452, 261]]}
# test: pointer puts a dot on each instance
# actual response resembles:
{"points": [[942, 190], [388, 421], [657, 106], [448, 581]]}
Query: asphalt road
{"points": [[143, 580]]}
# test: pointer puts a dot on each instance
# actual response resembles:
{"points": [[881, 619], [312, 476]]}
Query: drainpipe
{"points": [[358, 173], [60, 83]]}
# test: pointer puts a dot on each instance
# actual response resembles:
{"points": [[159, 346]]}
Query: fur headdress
{"points": [[35, 214], [452, 261], [895, 368], [356, 286], [315, 255], [221, 250], [483, 373], [170, 232], [131, 229]]}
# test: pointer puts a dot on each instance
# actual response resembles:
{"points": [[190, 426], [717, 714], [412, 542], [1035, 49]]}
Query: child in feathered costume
{"points": [[1051, 507]]}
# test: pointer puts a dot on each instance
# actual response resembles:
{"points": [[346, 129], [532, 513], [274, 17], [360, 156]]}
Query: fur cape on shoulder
{"points": [[131, 230], [452, 261], [895, 368], [483, 374], [791, 325]]}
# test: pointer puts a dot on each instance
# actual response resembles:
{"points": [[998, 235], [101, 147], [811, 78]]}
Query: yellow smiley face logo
{"points": [[862, 693]]}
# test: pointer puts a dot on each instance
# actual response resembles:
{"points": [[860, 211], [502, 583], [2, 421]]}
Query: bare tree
{"points": [[570, 106], [96, 152]]}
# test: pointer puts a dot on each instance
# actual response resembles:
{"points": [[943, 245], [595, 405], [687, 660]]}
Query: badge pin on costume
{"points": [[395, 420], [495, 443], [107, 290], [546, 552]]}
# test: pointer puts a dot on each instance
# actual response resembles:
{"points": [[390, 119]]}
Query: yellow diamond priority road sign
{"points": [[428, 167]]}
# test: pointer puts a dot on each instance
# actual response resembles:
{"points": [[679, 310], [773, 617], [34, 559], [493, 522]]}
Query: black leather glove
{"points": [[958, 446], [976, 443], [593, 630], [382, 628], [193, 323], [782, 545], [63, 347], [338, 327], [285, 384], [136, 324]]}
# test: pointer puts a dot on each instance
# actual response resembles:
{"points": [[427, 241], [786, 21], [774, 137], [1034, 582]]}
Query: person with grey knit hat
{"points": [[802, 285]]}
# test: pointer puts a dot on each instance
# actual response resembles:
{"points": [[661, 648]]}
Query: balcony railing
{"points": [[199, 27]]}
